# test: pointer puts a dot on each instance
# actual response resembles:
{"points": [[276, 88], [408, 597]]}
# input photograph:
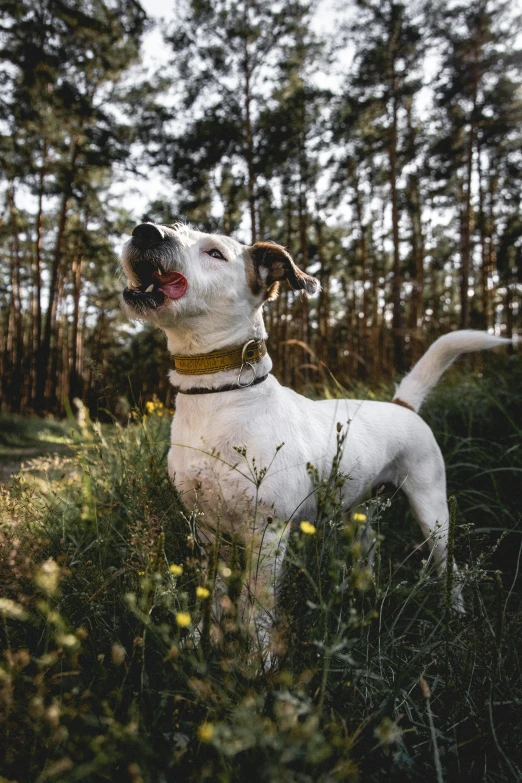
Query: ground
{"points": [[25, 439], [114, 668]]}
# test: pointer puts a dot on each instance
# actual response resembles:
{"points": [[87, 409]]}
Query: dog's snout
{"points": [[147, 234]]}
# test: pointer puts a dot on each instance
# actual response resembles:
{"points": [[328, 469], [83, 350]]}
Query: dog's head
{"points": [[176, 275]]}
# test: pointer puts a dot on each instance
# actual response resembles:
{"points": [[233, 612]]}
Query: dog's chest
{"points": [[236, 457]]}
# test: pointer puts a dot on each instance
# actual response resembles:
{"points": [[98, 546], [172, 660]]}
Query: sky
{"points": [[138, 192]]}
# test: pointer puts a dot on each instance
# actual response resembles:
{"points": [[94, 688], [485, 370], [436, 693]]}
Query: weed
{"points": [[114, 666]]}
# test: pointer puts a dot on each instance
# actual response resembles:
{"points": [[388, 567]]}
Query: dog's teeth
{"points": [[149, 289], [159, 272]]}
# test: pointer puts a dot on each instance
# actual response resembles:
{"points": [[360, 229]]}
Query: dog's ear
{"points": [[272, 264]]}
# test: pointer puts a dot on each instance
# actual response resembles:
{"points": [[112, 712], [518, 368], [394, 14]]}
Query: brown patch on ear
{"points": [[273, 292], [272, 263], [403, 404], [253, 281]]}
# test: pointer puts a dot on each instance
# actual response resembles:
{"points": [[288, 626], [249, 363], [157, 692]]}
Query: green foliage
{"points": [[113, 667], [262, 125], [16, 431]]}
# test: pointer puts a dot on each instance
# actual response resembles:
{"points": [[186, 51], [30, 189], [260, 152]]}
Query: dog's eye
{"points": [[215, 253]]}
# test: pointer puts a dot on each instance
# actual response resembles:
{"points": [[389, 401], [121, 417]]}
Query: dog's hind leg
{"points": [[362, 515], [425, 488]]}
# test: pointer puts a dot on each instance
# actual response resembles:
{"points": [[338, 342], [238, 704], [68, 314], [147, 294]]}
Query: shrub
{"points": [[114, 668]]}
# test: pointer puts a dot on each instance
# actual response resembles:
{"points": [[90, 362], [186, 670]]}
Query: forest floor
{"points": [[25, 439], [114, 666]]}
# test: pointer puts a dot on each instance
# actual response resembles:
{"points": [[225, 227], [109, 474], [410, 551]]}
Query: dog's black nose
{"points": [[147, 234]]}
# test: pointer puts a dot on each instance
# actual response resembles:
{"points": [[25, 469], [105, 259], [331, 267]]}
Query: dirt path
{"points": [[7, 471], [12, 461], [24, 438]]}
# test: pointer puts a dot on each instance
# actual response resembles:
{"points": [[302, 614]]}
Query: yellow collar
{"points": [[231, 359]]}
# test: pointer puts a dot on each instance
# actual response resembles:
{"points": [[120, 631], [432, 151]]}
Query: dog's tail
{"points": [[425, 375]]}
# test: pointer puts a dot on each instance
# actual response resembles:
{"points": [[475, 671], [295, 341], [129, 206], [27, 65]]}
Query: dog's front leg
{"points": [[265, 551], [245, 567]]}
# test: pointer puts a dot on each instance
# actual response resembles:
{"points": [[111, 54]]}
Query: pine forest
{"points": [[378, 141]]}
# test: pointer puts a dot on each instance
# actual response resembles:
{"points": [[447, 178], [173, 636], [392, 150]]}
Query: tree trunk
{"points": [[465, 255], [398, 344], [324, 348], [466, 221], [417, 242], [417, 251], [37, 282], [15, 338], [75, 379], [486, 226], [303, 263], [52, 308], [249, 137], [362, 323]]}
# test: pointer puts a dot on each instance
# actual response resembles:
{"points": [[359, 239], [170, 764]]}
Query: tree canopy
{"points": [[384, 153]]}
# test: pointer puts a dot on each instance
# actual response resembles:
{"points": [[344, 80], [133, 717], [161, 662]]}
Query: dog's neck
{"points": [[207, 336]]}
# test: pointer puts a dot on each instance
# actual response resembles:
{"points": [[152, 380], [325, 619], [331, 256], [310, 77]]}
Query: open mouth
{"points": [[155, 286]]}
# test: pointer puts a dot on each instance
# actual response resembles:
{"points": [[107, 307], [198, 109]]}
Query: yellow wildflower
{"points": [[175, 570], [154, 406], [363, 579], [388, 732], [183, 619], [48, 576], [67, 640], [202, 592], [308, 528], [118, 654], [359, 517], [10, 608], [206, 732]]}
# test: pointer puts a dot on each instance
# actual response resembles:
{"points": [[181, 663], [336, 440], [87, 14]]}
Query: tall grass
{"points": [[115, 669]]}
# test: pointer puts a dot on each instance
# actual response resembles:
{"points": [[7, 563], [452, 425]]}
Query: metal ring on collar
{"points": [[245, 364]]}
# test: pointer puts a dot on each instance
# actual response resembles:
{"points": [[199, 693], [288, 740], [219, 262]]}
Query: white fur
{"points": [[428, 370], [385, 442]]}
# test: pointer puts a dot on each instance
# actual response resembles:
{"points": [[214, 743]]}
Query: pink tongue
{"points": [[173, 284]]}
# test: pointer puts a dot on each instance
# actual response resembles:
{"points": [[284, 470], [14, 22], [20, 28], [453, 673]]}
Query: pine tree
{"points": [[379, 90], [62, 60], [479, 110], [227, 53]]}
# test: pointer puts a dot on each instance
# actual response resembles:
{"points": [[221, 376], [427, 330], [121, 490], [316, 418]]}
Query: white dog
{"points": [[207, 292]]}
